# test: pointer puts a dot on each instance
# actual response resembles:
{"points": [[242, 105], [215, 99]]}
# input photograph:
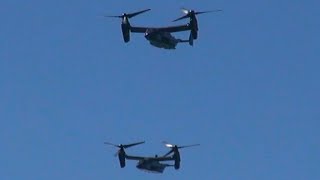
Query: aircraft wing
{"points": [[164, 29], [135, 157], [169, 158], [175, 28], [138, 29]]}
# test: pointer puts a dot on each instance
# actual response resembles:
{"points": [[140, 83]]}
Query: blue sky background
{"points": [[248, 91]]}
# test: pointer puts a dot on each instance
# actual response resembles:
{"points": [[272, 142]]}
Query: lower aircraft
{"points": [[151, 164]]}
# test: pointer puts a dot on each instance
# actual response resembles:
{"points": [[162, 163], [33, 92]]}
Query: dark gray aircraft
{"points": [[161, 36], [151, 164]]}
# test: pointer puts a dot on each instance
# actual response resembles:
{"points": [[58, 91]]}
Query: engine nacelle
{"points": [[122, 158], [176, 164], [125, 27], [194, 26], [194, 33], [177, 159]]}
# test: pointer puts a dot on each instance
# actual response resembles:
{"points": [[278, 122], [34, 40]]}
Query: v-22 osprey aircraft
{"points": [[161, 37], [151, 164]]}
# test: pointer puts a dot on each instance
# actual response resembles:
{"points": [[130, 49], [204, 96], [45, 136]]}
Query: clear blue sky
{"points": [[248, 91]]}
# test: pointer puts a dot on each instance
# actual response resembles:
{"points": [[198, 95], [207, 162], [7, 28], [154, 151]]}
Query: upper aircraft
{"points": [[161, 37]]}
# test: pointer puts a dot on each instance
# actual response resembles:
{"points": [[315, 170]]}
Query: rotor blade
{"points": [[117, 153], [133, 144], [180, 147], [172, 145], [202, 12], [130, 15], [168, 144], [183, 17], [137, 13], [111, 144], [185, 11], [171, 151], [113, 16]]}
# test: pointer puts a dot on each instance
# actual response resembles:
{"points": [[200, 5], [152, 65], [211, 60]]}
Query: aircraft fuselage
{"points": [[151, 166], [161, 39]]}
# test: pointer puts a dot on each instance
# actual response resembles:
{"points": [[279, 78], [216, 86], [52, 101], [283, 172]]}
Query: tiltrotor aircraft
{"points": [[151, 164], [161, 37]]}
